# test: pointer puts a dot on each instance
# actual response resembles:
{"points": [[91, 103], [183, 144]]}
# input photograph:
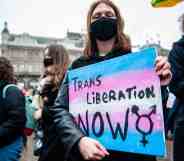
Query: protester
{"points": [[12, 114], [176, 59], [105, 39], [56, 61]]}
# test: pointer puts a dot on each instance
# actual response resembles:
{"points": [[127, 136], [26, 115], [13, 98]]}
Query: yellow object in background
{"points": [[165, 3]]}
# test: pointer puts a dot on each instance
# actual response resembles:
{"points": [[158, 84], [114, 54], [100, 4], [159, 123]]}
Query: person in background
{"points": [[56, 61], [105, 40], [12, 114], [176, 59]]}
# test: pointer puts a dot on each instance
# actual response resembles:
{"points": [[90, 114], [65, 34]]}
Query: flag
{"points": [[165, 3]]}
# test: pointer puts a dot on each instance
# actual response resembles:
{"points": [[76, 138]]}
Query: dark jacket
{"points": [[51, 145], [12, 115], [176, 59], [69, 134], [54, 146]]}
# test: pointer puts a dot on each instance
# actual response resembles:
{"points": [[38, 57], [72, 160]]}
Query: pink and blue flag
{"points": [[118, 102]]}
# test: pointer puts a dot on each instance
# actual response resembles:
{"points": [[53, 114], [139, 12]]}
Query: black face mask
{"points": [[104, 28]]}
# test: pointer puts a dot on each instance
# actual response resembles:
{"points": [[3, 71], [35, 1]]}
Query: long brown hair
{"points": [[6, 71], [60, 62], [122, 41]]}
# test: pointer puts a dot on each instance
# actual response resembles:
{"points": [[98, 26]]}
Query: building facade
{"points": [[26, 52]]}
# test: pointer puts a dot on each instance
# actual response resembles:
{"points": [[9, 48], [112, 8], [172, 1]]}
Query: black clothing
{"points": [[176, 59], [12, 115], [55, 146], [47, 120], [52, 147], [70, 138]]}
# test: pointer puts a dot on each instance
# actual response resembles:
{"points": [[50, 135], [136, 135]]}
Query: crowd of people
{"points": [[62, 139]]}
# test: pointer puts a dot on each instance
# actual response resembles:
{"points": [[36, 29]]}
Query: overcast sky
{"points": [[52, 18]]}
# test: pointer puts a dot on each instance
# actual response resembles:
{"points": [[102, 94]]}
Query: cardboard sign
{"points": [[118, 102]]}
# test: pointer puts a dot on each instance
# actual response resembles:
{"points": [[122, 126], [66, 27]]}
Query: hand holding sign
{"points": [[162, 68], [91, 149]]}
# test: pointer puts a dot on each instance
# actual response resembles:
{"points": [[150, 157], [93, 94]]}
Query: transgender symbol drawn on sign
{"points": [[118, 102]]}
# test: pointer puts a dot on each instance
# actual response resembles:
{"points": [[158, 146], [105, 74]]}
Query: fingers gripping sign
{"points": [[91, 149]]}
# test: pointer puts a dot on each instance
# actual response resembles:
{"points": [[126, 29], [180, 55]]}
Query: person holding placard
{"points": [[105, 40]]}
